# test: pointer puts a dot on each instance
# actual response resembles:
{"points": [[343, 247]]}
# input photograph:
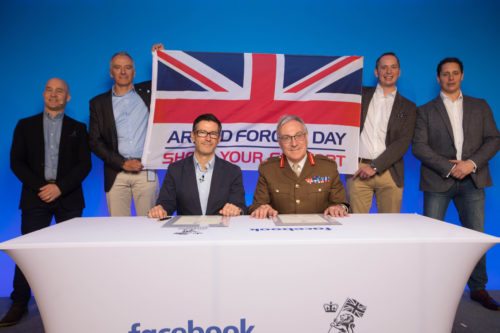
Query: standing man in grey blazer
{"points": [[455, 137], [387, 124]]}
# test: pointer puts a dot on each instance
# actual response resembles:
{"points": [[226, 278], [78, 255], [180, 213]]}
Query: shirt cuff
{"points": [[448, 175], [345, 207], [475, 166]]}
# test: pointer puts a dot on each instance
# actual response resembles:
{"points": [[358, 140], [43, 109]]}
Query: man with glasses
{"points": [[202, 184], [297, 182]]}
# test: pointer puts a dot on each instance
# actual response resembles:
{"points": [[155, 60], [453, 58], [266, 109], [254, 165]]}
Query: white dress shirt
{"points": [[372, 140], [455, 111]]}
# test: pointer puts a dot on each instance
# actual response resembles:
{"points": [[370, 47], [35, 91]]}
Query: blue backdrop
{"points": [[42, 39]]}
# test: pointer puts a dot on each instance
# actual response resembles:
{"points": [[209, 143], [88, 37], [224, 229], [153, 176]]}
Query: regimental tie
{"points": [[296, 169]]}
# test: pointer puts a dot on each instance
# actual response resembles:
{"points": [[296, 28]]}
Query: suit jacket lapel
{"points": [[216, 181], [395, 111], [367, 96], [39, 140], [438, 102], [191, 185], [466, 119], [110, 118]]}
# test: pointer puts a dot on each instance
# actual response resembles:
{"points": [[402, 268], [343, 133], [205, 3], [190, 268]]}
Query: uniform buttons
{"points": [[297, 201]]}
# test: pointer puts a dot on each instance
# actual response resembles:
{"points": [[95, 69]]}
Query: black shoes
{"points": [[16, 312], [484, 299]]}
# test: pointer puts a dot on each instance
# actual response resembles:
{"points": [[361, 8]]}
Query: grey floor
{"points": [[471, 317]]}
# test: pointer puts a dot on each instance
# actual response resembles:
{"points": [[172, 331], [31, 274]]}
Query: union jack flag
{"points": [[251, 92], [354, 307], [245, 87]]}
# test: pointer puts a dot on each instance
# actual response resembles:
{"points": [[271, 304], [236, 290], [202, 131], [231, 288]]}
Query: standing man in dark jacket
{"points": [[51, 157], [117, 131], [455, 137]]}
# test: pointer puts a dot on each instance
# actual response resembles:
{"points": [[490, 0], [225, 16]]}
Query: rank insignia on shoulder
{"points": [[318, 180]]}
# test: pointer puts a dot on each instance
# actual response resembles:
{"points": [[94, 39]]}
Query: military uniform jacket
{"points": [[318, 186]]}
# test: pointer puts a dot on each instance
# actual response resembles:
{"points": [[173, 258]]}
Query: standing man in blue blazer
{"points": [[202, 184], [455, 137], [51, 157]]}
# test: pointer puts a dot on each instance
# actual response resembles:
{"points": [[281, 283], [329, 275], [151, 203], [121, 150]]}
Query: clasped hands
{"points": [[461, 169], [48, 193]]}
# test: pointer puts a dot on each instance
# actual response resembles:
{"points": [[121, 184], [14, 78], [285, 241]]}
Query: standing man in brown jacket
{"points": [[387, 125]]}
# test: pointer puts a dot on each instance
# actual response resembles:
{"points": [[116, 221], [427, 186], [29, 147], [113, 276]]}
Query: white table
{"points": [[134, 275]]}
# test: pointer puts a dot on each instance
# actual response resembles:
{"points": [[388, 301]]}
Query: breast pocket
{"points": [[318, 195], [282, 198]]}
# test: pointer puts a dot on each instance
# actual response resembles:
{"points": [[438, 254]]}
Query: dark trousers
{"points": [[33, 220], [469, 201]]}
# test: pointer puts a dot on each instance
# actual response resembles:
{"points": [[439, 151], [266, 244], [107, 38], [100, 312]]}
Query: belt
{"points": [[365, 160]]}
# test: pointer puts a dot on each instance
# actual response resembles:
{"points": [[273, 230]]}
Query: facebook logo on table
{"points": [[196, 329]]}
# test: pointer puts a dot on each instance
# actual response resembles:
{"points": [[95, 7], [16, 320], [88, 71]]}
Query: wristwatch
{"points": [[372, 165]]}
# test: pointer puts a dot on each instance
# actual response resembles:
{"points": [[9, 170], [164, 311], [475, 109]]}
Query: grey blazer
{"points": [[434, 146], [399, 133]]}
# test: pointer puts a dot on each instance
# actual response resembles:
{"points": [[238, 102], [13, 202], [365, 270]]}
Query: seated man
{"points": [[202, 184], [297, 182]]}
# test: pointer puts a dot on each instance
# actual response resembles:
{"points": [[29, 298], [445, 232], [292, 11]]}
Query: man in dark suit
{"points": [[51, 157], [297, 182], [117, 131], [387, 124], [202, 184], [455, 137]]}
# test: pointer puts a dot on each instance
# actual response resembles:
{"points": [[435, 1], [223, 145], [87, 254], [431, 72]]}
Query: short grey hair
{"points": [[287, 118], [121, 53]]}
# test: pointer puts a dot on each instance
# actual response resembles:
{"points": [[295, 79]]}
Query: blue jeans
{"points": [[469, 201]]}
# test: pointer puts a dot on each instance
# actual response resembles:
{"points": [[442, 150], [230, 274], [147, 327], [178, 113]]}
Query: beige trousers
{"points": [[360, 193], [128, 185]]}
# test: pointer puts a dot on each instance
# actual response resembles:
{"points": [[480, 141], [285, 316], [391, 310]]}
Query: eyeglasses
{"points": [[299, 137], [203, 134]]}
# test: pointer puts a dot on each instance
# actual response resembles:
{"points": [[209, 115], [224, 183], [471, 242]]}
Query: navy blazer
{"points": [[27, 161], [103, 138], [179, 191], [434, 146]]}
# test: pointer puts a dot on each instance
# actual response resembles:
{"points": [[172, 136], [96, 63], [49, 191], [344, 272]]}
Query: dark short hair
{"points": [[207, 117], [448, 60], [122, 53], [386, 54]]}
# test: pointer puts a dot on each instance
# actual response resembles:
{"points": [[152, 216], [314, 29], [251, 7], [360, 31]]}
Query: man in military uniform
{"points": [[297, 182]]}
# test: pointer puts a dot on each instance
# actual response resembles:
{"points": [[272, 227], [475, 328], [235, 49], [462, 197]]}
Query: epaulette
{"points": [[271, 160], [324, 158]]}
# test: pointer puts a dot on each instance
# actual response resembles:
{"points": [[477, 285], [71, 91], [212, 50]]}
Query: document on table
{"points": [[304, 219], [195, 220]]}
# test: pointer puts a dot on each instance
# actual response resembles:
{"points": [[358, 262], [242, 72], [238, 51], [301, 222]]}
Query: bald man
{"points": [[51, 157]]}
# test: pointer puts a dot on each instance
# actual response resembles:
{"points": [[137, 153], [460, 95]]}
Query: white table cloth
{"points": [[379, 272]]}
